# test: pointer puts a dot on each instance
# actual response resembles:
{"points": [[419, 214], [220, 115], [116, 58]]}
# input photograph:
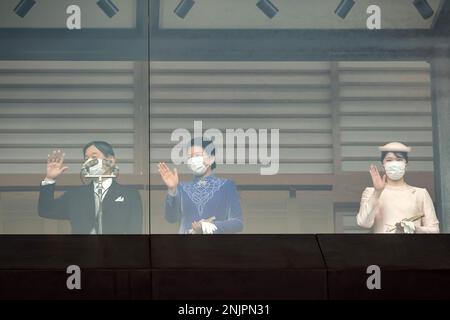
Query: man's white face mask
{"points": [[96, 169], [395, 170], [197, 165]]}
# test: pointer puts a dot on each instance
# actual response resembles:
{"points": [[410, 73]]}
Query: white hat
{"points": [[395, 147]]}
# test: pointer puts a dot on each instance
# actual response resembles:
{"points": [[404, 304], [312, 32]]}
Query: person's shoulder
{"points": [[79, 188], [127, 188], [228, 182], [221, 181], [183, 184], [369, 190], [422, 191], [76, 191]]}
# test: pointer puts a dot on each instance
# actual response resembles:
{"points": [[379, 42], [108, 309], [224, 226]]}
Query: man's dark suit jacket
{"points": [[78, 206]]}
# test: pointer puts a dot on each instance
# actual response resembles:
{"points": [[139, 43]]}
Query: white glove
{"points": [[208, 227], [408, 226]]}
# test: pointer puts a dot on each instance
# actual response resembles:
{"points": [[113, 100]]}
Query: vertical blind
{"points": [[293, 97], [377, 102], [64, 104], [382, 102]]}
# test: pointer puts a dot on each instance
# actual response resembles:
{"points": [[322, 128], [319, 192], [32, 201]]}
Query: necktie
{"points": [[98, 221]]}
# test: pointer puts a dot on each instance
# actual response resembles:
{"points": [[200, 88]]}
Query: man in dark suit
{"points": [[120, 209]]}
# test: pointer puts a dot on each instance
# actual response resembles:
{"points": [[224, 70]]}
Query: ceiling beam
{"points": [[279, 45], [441, 22], [237, 45]]}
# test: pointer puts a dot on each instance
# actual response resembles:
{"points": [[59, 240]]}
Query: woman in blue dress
{"points": [[207, 204]]}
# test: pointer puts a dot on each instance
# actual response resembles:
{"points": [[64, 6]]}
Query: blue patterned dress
{"points": [[204, 198]]}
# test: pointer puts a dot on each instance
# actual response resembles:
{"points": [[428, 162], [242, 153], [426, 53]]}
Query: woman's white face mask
{"points": [[197, 165], [395, 170]]}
